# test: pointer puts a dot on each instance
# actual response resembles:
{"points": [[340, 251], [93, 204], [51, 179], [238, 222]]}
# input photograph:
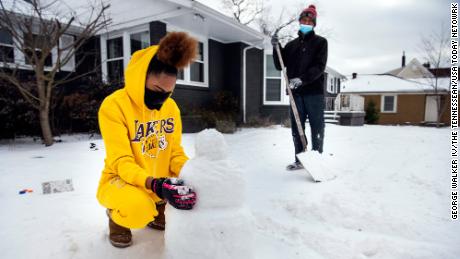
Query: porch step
{"points": [[331, 121], [331, 117]]}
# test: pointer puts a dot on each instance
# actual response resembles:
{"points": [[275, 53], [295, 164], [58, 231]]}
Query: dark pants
{"points": [[311, 107]]}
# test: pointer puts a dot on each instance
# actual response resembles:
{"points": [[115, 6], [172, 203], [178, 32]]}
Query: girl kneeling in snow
{"points": [[141, 128]]}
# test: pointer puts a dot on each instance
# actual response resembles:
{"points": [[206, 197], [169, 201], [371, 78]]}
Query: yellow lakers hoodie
{"points": [[139, 142]]}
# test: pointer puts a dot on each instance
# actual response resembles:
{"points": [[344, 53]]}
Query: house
{"points": [[10, 57], [233, 58], [225, 46], [414, 69], [399, 100], [333, 82]]}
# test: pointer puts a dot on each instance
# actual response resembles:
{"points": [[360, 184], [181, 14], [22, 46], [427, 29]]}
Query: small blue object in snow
{"points": [[25, 191]]}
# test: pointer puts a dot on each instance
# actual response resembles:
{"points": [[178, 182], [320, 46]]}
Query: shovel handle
{"points": [[303, 138]]}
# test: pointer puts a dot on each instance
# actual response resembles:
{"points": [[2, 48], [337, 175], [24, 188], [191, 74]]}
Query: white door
{"points": [[431, 114]]}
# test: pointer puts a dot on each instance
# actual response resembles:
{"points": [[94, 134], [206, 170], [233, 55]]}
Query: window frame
{"points": [[9, 46], [71, 63], [125, 34], [53, 55], [197, 61], [284, 99], [122, 57], [382, 103], [137, 32]]}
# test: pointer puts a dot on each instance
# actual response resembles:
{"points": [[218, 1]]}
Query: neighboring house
{"points": [[333, 82], [11, 57], [400, 101], [413, 70], [232, 57]]}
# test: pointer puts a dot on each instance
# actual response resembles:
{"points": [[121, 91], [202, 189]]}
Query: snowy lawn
{"points": [[390, 199]]}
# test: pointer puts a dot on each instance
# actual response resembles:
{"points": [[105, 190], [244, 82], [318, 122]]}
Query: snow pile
{"points": [[391, 199], [219, 226]]}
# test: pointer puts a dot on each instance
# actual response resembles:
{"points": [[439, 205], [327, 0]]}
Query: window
{"points": [[139, 41], [196, 74], [66, 45], [272, 81], [115, 59], [197, 67], [36, 43], [180, 74], [274, 84], [345, 101], [389, 103], [331, 84], [336, 84], [116, 50], [6, 47]]}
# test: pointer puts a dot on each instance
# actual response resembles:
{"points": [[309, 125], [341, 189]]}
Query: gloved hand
{"points": [[174, 191], [295, 83], [275, 40]]}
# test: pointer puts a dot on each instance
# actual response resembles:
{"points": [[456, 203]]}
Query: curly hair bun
{"points": [[177, 49]]}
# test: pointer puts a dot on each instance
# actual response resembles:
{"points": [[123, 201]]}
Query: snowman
{"points": [[219, 226]]}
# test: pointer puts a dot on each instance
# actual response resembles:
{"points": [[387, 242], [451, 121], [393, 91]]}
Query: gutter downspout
{"points": [[252, 46]]}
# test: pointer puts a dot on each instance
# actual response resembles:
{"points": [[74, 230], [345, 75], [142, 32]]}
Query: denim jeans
{"points": [[311, 107]]}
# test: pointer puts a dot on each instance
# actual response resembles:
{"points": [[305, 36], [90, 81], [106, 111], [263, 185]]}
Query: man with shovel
{"points": [[305, 59]]}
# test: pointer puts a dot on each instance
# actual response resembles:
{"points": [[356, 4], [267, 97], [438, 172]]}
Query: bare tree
{"points": [[244, 11], [40, 30], [269, 25], [285, 25], [435, 51]]}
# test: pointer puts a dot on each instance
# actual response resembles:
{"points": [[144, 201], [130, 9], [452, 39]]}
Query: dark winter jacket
{"points": [[305, 57]]}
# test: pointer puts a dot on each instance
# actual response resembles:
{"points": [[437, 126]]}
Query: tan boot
{"points": [[119, 236], [159, 223]]}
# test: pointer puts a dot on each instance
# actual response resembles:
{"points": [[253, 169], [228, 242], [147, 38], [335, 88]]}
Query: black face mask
{"points": [[154, 99]]}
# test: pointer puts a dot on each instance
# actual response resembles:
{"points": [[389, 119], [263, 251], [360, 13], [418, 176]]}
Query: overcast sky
{"points": [[369, 36]]}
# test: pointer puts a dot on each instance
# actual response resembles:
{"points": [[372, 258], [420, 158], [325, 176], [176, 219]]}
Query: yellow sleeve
{"points": [[178, 157], [120, 157]]}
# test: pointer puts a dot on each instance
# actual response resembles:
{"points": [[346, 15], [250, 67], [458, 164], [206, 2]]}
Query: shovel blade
{"points": [[316, 165]]}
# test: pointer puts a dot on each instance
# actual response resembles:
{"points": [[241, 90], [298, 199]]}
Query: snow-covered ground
{"points": [[390, 199]]}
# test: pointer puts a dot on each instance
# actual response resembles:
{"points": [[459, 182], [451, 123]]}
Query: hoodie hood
{"points": [[136, 73]]}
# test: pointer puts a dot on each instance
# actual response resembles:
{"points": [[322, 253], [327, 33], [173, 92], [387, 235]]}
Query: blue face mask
{"points": [[304, 28]]}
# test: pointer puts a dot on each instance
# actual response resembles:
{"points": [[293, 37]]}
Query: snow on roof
{"points": [[443, 83], [391, 84]]}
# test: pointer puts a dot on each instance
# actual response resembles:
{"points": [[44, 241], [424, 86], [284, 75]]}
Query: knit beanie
{"points": [[309, 12]]}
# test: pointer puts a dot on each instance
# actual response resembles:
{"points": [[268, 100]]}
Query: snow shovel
{"points": [[313, 160]]}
